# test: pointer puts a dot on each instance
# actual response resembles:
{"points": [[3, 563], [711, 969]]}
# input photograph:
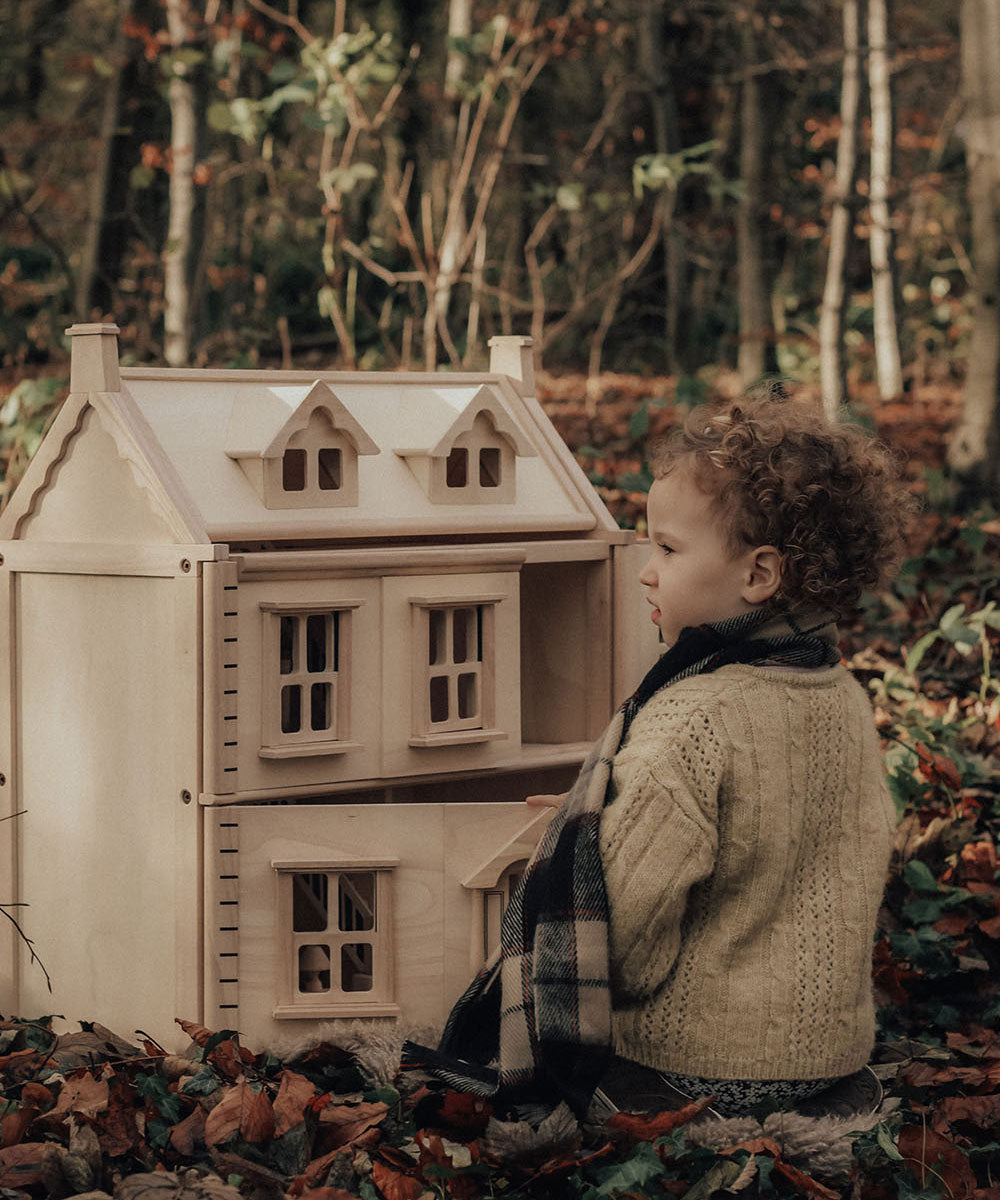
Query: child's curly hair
{"points": [[829, 497]]}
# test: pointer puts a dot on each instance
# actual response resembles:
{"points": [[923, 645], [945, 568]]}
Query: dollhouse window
{"points": [[337, 937], [453, 699], [496, 901], [303, 471], [307, 682]]}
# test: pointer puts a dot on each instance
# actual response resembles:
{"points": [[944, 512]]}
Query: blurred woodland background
{"points": [[672, 191]]}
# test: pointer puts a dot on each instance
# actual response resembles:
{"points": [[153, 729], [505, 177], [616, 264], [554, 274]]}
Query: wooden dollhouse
{"points": [[284, 653]]}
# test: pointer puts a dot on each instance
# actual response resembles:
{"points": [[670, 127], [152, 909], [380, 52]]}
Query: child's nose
{"points": [[647, 576]]}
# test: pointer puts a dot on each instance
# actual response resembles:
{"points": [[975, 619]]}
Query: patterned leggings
{"points": [[630, 1087]]}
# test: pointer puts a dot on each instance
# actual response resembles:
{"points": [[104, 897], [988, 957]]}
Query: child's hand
{"points": [[546, 801]]}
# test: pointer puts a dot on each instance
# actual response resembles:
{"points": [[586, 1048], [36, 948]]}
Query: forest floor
{"points": [[91, 1114]]}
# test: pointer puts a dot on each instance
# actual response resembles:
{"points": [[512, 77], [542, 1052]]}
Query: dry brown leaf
{"points": [[89, 1046], [197, 1033], [348, 1121], [327, 1193], [240, 1109], [394, 1185], [294, 1093], [189, 1133], [21, 1166], [83, 1094], [931, 1157]]}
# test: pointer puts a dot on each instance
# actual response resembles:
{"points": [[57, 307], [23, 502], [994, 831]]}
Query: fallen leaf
{"points": [[933, 1158], [197, 1033], [189, 1133], [294, 1094], [646, 1129], [21, 1166], [94, 1044], [346, 1122], [240, 1109], [983, 1111], [327, 1193], [82, 1094], [804, 1183], [117, 1130], [760, 1145], [229, 1059], [394, 1185]]}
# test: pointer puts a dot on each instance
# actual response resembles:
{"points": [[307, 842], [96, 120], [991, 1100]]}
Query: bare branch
{"points": [[27, 940], [289, 19]]}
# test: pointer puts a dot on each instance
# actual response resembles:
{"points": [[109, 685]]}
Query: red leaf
{"points": [[760, 1145], [460, 1110], [327, 1193], [933, 1157], [395, 1186], [646, 1129], [991, 927], [939, 768], [228, 1059], [804, 1183]]}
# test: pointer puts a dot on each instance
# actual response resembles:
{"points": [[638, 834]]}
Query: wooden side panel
{"points": [[565, 651], [9, 791], [436, 920], [106, 670], [636, 639]]}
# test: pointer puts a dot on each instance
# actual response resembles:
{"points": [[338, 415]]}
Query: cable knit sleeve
{"points": [[658, 839]]}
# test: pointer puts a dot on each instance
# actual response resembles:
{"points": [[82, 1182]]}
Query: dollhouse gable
{"points": [[308, 459], [98, 478], [471, 460]]}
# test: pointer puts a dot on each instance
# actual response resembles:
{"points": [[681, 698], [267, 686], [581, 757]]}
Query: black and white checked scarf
{"points": [[534, 1026]]}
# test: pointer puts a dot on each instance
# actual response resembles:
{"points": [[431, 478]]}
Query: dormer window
{"points": [[473, 459], [308, 459]]}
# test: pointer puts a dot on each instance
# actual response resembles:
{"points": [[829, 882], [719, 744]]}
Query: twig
{"points": [[27, 940]]}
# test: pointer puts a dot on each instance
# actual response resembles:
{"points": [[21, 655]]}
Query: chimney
{"points": [[514, 356], [94, 358]]}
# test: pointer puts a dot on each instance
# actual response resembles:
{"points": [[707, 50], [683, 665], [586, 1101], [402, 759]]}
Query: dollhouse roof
{"points": [[181, 435]]}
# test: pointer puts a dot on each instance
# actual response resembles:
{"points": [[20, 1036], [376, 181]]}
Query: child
{"points": [[700, 914]]}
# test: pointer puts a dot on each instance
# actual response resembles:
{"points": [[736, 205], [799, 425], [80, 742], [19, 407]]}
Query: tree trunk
{"points": [[754, 323], [975, 446], [832, 360], [98, 191], [176, 343], [887, 364], [663, 111]]}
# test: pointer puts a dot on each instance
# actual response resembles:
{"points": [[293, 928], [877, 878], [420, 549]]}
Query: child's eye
{"points": [[665, 548]]}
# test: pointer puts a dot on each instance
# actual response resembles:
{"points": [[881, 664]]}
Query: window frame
{"points": [[335, 1002], [275, 743], [454, 730]]}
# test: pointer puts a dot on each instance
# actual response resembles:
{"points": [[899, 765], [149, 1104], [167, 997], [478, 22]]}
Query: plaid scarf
{"points": [[534, 1026]]}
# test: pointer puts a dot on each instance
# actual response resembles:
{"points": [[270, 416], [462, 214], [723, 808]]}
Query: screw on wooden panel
{"points": [[185, 564], [1, 560], [186, 796], [3, 779]]}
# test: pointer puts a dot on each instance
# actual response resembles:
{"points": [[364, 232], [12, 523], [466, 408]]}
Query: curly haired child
{"points": [[699, 916]]}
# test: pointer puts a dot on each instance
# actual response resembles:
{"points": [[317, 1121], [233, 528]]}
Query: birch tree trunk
{"points": [[975, 446], [888, 369], [459, 25], [98, 190], [754, 325], [176, 317], [832, 359]]}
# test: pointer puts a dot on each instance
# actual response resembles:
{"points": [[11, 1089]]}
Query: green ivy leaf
{"points": [[154, 1088], [883, 1135], [920, 878]]}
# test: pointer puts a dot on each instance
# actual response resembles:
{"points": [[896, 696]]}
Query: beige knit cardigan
{"points": [[745, 851]]}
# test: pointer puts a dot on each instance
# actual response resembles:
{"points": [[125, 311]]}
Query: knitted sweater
{"points": [[745, 851]]}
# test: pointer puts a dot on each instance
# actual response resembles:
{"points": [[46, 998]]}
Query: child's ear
{"points": [[763, 574]]}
